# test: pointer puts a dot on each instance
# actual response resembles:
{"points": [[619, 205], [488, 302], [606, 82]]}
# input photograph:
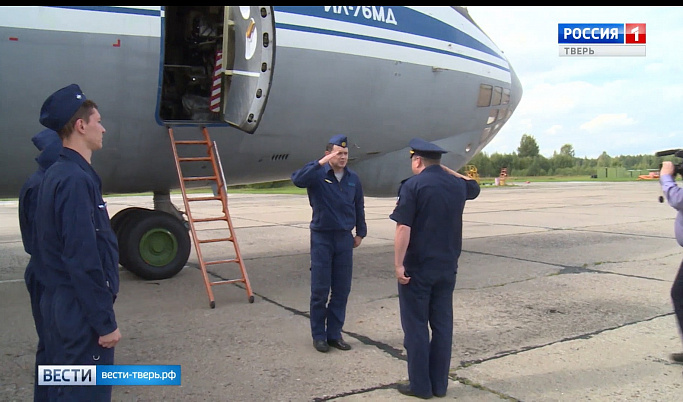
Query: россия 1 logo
{"points": [[601, 39], [635, 33]]}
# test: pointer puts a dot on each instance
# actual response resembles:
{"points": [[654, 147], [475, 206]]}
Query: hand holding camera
{"points": [[669, 167]]}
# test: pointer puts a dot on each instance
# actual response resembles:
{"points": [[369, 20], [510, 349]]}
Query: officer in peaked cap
{"points": [[76, 246], [336, 197], [420, 147], [427, 245], [59, 107]]}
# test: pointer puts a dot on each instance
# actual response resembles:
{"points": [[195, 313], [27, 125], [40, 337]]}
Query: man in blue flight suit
{"points": [[336, 196], [76, 246], [427, 245], [48, 142]]}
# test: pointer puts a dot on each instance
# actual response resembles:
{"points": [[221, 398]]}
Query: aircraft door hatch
{"points": [[248, 50], [217, 64]]}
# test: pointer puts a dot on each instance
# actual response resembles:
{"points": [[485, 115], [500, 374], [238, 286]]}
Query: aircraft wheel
{"points": [[120, 223], [119, 218], [156, 246], [130, 217]]}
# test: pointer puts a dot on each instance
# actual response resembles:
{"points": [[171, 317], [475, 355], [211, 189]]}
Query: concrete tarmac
{"points": [[562, 295]]}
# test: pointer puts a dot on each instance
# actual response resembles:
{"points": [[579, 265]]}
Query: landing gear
{"points": [[152, 244]]}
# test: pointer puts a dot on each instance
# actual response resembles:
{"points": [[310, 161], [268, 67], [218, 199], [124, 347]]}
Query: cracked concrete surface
{"points": [[562, 295]]}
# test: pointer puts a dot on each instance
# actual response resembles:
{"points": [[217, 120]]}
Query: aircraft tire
{"points": [[119, 218], [155, 246], [121, 223]]}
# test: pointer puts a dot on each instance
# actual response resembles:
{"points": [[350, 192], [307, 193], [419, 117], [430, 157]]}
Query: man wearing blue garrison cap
{"points": [[48, 142], [336, 197], [427, 246], [76, 247]]}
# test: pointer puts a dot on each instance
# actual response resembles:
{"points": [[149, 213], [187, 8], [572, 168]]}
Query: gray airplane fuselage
{"points": [[380, 102]]}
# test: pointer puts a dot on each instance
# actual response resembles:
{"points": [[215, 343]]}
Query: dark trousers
{"points": [[427, 302], [70, 340], [331, 271], [35, 291], [677, 297]]}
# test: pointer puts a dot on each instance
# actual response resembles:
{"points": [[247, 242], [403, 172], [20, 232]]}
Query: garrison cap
{"points": [[45, 138], [60, 107], [421, 147], [339, 139]]}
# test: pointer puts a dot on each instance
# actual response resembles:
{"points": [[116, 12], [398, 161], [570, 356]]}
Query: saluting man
{"points": [[76, 246], [427, 245], [336, 196]]}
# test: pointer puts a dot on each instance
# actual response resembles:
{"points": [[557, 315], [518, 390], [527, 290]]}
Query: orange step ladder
{"points": [[217, 179]]}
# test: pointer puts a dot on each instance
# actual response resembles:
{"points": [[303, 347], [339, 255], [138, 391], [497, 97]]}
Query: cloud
{"points": [[672, 94], [607, 122], [554, 130], [621, 105]]}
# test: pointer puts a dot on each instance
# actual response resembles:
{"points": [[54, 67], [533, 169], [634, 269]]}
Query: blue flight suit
{"points": [[431, 204], [338, 207], [79, 255], [50, 145]]}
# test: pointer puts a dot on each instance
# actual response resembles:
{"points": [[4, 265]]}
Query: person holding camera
{"points": [[674, 195]]}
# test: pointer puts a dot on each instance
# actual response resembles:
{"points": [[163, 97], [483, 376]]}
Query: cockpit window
{"points": [[485, 92], [497, 96]]}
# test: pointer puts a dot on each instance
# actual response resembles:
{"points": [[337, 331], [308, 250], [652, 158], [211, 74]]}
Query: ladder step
{"points": [[199, 178], [191, 142], [195, 159], [221, 262], [215, 240], [211, 198], [221, 218], [226, 282]]}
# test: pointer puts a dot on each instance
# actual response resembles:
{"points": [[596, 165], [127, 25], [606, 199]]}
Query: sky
{"points": [[619, 105]]}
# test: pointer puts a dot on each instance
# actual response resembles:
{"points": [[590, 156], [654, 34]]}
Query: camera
{"points": [[678, 168]]}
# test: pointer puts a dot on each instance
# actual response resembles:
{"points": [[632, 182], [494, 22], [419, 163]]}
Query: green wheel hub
{"points": [[158, 247]]}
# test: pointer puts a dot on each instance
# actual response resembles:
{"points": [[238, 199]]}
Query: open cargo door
{"points": [[248, 56]]}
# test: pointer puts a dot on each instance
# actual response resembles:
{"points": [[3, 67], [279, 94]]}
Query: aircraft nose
{"points": [[515, 90]]}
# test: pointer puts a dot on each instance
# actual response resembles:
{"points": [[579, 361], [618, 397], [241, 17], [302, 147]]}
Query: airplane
{"points": [[271, 83]]}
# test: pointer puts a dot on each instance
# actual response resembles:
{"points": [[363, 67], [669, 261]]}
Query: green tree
{"points": [[567, 149], [527, 146], [484, 166], [499, 161], [604, 160], [563, 160]]}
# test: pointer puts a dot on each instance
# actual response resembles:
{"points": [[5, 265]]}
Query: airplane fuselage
{"points": [[381, 75]]}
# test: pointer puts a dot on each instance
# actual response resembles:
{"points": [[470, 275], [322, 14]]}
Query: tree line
{"points": [[528, 162]]}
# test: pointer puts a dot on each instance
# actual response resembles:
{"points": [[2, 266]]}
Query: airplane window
{"points": [[497, 95], [493, 114], [486, 135], [501, 114], [484, 95], [506, 96]]}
